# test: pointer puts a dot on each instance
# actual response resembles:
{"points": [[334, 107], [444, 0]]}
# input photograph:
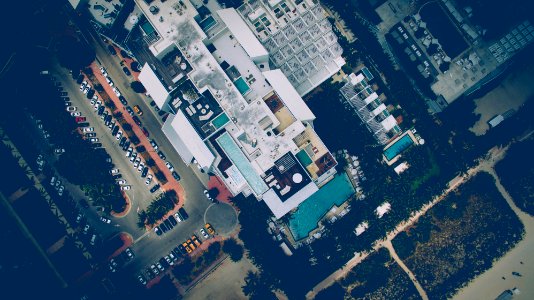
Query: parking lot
{"points": [[147, 247]]}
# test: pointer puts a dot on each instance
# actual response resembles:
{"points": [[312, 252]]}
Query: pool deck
{"points": [[394, 159]]}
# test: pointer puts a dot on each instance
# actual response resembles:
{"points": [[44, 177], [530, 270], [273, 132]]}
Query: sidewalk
{"points": [[172, 183]]}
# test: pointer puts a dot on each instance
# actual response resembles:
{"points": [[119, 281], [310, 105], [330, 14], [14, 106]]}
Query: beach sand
{"points": [[490, 284]]}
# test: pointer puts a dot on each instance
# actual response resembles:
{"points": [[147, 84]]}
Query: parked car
{"points": [[161, 155], [86, 228], [126, 71], [121, 181], [137, 121], [94, 140], [60, 190], [79, 218], [90, 134], [148, 179], [88, 129], [75, 113], [123, 101], [168, 260], [209, 228], [122, 141], [116, 91], [105, 220], [93, 240], [204, 233], [112, 50], [145, 132], [71, 108], [207, 194], [175, 175], [80, 119], [183, 213], [103, 70], [154, 145], [141, 279], [169, 166], [130, 111], [172, 220], [108, 80], [154, 269], [144, 172], [138, 110], [154, 188], [178, 217], [157, 231], [129, 253], [118, 136], [114, 171], [59, 150], [125, 188]]}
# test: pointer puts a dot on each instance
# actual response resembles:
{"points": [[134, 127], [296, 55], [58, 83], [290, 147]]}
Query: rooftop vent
{"points": [[154, 9]]}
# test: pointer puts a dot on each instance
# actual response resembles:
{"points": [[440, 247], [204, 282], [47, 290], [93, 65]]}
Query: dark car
{"points": [[97, 145], [115, 130], [161, 112], [79, 79], [122, 141], [126, 145], [161, 155], [63, 94], [154, 188], [136, 120], [173, 220], [90, 94], [130, 110], [101, 110], [126, 71], [117, 176], [123, 101], [112, 50], [107, 120], [163, 227], [168, 223], [153, 103], [175, 175], [183, 213], [145, 172], [145, 132], [83, 124]]}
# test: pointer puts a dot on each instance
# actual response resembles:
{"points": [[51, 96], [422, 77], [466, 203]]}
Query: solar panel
{"points": [[299, 25], [287, 51], [305, 38], [312, 50], [296, 44], [270, 45], [321, 44], [325, 25], [290, 32], [314, 31], [308, 18], [286, 68], [303, 56]]}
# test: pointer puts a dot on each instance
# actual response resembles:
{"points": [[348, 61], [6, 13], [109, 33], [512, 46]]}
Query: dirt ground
{"points": [[223, 283], [513, 91]]}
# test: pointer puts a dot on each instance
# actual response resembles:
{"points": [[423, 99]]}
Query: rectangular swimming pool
{"points": [[242, 86], [313, 209], [399, 146], [147, 28], [242, 164], [220, 121]]}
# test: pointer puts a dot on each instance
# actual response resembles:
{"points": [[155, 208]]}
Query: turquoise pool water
{"points": [[147, 28], [399, 146], [309, 212], [241, 85], [207, 23], [241, 162], [220, 121]]}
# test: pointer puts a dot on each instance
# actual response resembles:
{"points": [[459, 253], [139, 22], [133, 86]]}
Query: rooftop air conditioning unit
{"points": [[154, 9]]}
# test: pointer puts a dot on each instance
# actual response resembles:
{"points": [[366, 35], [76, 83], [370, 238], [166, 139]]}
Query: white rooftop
{"points": [[153, 85], [187, 141], [383, 209], [361, 228], [242, 33], [280, 208], [289, 95]]}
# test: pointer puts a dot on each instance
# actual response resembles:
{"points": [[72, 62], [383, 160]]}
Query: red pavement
{"points": [[172, 183], [224, 193]]}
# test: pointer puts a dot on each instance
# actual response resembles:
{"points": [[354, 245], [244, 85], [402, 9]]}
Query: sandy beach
{"points": [[490, 284], [513, 91]]}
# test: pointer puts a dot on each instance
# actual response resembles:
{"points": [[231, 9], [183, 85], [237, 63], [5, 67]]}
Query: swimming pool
{"points": [[242, 86], [399, 146], [207, 23], [147, 28], [309, 212], [220, 121], [242, 164]]}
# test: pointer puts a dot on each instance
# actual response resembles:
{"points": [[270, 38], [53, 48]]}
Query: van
{"points": [[138, 110]]}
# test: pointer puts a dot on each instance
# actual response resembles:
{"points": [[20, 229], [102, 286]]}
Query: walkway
{"points": [[389, 246], [494, 155]]}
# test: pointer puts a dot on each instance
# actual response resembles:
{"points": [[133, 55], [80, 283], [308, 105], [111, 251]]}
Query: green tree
{"points": [[232, 248], [138, 87]]}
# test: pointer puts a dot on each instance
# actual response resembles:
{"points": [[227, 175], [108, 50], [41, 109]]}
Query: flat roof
{"points": [[280, 208], [153, 85], [289, 95], [189, 139], [242, 33]]}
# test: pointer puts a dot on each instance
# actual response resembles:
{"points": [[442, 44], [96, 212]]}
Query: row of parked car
{"points": [[171, 221], [120, 260]]}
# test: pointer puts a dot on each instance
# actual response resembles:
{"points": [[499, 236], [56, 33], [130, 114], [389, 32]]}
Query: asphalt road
{"points": [[148, 247]]}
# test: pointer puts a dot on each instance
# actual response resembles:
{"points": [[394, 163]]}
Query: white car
{"points": [[93, 239], [141, 167], [114, 171], [118, 135], [59, 150], [121, 182], [134, 155], [169, 166], [88, 129], [148, 179], [105, 220], [108, 80], [204, 233], [116, 91], [86, 90], [93, 101], [75, 113], [103, 71], [94, 140], [60, 190], [71, 108], [125, 187], [136, 163]]}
